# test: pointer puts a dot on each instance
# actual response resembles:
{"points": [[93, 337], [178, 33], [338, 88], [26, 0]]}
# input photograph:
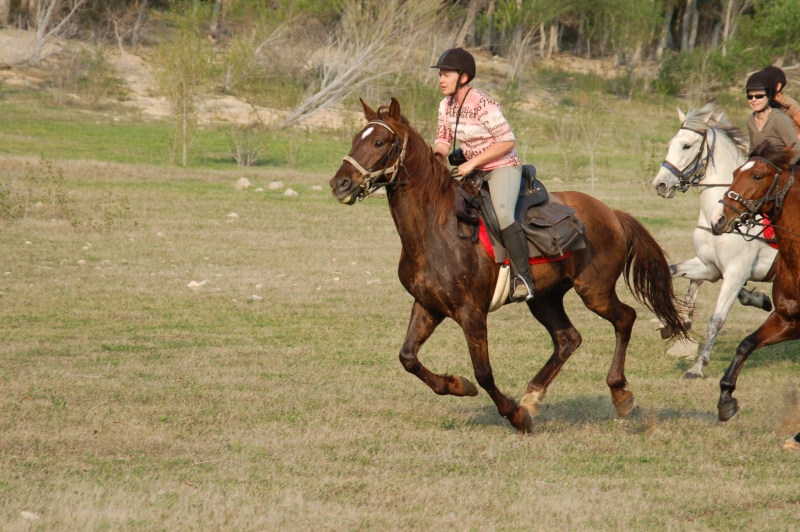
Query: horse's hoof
{"points": [[527, 423], [693, 374], [465, 388], [626, 406], [728, 410], [793, 443], [532, 402]]}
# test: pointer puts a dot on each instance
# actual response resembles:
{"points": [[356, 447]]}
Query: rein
{"points": [[368, 186], [698, 166]]}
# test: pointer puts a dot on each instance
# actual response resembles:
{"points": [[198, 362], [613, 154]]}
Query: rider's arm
{"points": [[493, 152], [441, 149]]}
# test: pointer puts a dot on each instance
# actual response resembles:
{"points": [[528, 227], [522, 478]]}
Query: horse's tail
{"points": [[652, 279]]}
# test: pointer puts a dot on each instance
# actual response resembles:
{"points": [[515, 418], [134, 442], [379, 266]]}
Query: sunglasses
{"points": [[756, 96]]}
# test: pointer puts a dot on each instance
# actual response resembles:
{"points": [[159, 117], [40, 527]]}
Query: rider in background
{"points": [[487, 142], [768, 122], [790, 106]]}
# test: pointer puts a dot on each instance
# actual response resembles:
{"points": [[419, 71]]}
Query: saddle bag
{"points": [[553, 228]]}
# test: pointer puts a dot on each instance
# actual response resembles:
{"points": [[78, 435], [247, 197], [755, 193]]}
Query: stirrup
{"points": [[522, 297]]}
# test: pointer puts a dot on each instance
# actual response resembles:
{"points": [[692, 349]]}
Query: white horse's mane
{"points": [[713, 115]]}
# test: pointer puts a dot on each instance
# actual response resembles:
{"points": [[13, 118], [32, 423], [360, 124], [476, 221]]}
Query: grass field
{"points": [[132, 402]]}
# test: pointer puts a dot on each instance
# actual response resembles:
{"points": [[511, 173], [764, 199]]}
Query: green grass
{"points": [[31, 125], [131, 402]]}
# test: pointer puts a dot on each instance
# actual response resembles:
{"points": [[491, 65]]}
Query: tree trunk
{"points": [[552, 46], [215, 16], [689, 19], [5, 12], [665, 41], [693, 27], [542, 40], [472, 10]]}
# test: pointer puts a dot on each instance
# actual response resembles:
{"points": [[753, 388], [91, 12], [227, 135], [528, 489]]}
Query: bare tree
{"points": [[372, 41], [592, 125], [183, 73], [54, 20], [733, 10]]}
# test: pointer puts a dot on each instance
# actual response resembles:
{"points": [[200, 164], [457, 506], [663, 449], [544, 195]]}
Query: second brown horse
{"points": [[450, 277]]}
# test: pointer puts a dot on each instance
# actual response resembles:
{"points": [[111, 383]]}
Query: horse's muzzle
{"points": [[665, 192], [344, 189], [721, 226]]}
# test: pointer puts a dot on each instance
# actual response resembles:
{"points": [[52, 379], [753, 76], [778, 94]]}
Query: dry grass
{"points": [[131, 402]]}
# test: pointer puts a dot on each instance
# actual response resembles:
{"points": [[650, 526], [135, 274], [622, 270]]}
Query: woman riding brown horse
{"points": [[763, 185], [450, 277]]}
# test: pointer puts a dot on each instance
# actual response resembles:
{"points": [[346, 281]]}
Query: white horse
{"points": [[704, 154]]}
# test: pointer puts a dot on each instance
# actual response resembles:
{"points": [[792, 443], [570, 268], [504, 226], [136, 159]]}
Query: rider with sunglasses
{"points": [[790, 106], [768, 122]]}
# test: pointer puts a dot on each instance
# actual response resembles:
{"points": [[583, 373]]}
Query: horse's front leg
{"points": [[731, 286], [420, 328], [474, 326], [774, 330]]}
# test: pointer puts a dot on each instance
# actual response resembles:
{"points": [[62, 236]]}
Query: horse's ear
{"points": [[394, 110], [369, 114], [681, 115]]}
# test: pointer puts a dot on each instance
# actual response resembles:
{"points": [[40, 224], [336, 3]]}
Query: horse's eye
{"points": [[758, 177], [378, 144], [687, 146]]}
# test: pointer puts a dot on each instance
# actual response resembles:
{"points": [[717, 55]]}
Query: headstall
{"points": [[695, 171], [368, 186], [753, 207]]}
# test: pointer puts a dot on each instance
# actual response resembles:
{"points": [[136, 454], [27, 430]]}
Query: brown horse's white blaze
{"points": [[450, 277]]}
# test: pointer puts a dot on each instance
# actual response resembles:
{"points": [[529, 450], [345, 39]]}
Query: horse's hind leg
{"points": [[549, 311], [607, 305], [420, 328]]}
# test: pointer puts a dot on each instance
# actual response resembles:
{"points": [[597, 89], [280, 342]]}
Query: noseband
{"points": [[753, 207], [368, 186], [695, 171]]}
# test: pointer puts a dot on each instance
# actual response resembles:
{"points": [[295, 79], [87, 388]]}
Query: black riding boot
{"points": [[517, 246]]}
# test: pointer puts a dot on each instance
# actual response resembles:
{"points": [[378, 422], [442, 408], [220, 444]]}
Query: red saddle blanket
{"points": [[487, 244], [769, 232]]}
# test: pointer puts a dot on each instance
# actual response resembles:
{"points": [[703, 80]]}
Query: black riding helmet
{"points": [[459, 60], [761, 80], [777, 74]]}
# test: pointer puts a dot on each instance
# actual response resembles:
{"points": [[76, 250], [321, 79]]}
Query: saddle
{"points": [[551, 228]]}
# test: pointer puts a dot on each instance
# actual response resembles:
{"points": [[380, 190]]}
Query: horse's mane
{"points": [[428, 178], [778, 156], [713, 115]]}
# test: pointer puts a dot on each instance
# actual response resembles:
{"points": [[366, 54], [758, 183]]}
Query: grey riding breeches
{"points": [[504, 188]]}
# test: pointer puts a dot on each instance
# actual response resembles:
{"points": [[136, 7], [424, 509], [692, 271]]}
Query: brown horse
{"points": [[455, 278], [763, 185]]}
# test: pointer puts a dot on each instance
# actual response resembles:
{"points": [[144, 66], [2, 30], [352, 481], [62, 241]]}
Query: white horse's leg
{"points": [[731, 285], [696, 270]]}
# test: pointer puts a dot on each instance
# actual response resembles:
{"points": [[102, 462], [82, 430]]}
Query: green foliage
{"points": [[775, 25]]}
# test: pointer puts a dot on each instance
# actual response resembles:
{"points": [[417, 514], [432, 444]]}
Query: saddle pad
{"points": [[769, 233], [483, 236]]}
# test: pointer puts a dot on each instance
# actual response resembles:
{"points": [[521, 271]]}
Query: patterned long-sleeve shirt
{"points": [[481, 125]]}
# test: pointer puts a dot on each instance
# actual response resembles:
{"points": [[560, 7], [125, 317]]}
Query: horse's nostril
{"points": [[344, 184], [661, 188]]}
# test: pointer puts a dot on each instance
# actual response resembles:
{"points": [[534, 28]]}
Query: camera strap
{"points": [[458, 116]]}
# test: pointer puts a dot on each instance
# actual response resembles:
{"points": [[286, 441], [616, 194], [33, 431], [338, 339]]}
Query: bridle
{"points": [[695, 171], [753, 207], [369, 186]]}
